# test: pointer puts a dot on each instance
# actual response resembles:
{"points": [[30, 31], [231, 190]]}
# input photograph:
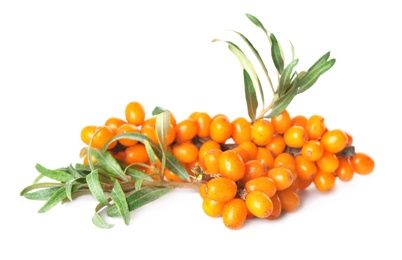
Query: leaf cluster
{"points": [[118, 188], [290, 82]]}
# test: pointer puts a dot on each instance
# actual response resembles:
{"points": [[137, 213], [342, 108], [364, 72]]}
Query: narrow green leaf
{"points": [[251, 96], [258, 23], [320, 61], [98, 221], [276, 54], [119, 198], [74, 172], [136, 174], [107, 162], [157, 110], [286, 77], [95, 187], [312, 75], [150, 152], [171, 162], [56, 198], [57, 175], [42, 194], [264, 68], [140, 198], [39, 185], [282, 103], [162, 128]]}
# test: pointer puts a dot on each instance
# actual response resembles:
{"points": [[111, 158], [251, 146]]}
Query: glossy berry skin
{"points": [[259, 204], [345, 170], [295, 136], [186, 152], [185, 130], [290, 201], [206, 147], [277, 208], [254, 169], [313, 150], [262, 132], [231, 165], [281, 122], [324, 181], [220, 129], [234, 213], [334, 140], [127, 128], [283, 177], [221, 189], [362, 163], [213, 208], [241, 130], [135, 113], [263, 184], [315, 127]]}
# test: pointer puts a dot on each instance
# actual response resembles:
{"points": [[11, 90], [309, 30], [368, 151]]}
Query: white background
{"points": [[67, 64]]}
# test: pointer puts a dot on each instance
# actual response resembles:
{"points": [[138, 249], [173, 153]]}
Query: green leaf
{"points": [[42, 194], [140, 198], [162, 128], [264, 68], [258, 23], [282, 103], [245, 63], [157, 110], [312, 75], [74, 172], [98, 221], [39, 185], [286, 77], [320, 61], [107, 162], [137, 175], [251, 97], [119, 198], [56, 198], [95, 187], [57, 175], [276, 54], [171, 162], [150, 152]]}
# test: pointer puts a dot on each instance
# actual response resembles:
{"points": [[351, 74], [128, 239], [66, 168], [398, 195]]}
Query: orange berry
{"points": [[221, 189], [212, 208], [315, 127], [334, 140], [277, 207], [207, 146], [203, 121], [171, 176], [329, 162], [220, 129], [259, 204], [254, 169], [281, 122], [136, 153], [324, 181], [114, 123], [277, 145], [231, 165], [186, 130], [241, 130], [87, 133], [362, 163], [211, 160], [234, 214], [262, 132], [101, 136], [305, 169], [185, 152], [285, 160], [295, 136], [127, 128], [283, 177], [251, 149], [264, 184], [312, 150], [265, 156], [290, 201], [203, 190], [301, 184], [299, 120], [345, 170], [135, 113], [243, 153]]}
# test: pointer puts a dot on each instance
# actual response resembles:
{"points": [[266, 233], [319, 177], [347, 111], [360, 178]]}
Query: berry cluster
{"points": [[244, 169]]}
